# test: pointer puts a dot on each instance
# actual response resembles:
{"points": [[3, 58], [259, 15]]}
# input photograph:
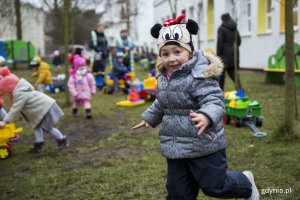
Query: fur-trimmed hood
{"points": [[206, 65], [202, 65]]}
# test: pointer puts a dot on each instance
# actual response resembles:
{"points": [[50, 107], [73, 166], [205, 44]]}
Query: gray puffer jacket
{"points": [[193, 87]]}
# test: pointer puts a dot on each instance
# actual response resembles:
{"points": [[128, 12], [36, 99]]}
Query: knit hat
{"points": [[8, 81], [120, 54], [225, 16], [174, 31], [36, 60], [78, 62], [56, 52]]}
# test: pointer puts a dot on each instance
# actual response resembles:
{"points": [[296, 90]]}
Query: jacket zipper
{"points": [[173, 135]]}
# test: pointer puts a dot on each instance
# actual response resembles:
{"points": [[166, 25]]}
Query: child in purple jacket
{"points": [[81, 86]]}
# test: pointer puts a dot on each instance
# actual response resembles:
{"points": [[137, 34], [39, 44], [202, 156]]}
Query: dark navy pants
{"points": [[208, 173]]}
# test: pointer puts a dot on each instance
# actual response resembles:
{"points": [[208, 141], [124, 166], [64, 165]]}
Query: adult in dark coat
{"points": [[99, 43], [225, 48]]}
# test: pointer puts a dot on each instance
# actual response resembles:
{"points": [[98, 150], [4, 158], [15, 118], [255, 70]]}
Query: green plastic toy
{"points": [[242, 111], [276, 66]]}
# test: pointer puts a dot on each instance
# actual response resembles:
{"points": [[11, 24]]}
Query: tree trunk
{"points": [[289, 67], [199, 23], [128, 16], [18, 20], [66, 43], [235, 49], [173, 7]]}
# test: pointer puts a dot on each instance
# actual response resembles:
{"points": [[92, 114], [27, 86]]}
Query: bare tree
{"points": [[289, 73], [66, 43], [11, 14], [173, 7], [81, 21], [18, 19], [128, 9]]}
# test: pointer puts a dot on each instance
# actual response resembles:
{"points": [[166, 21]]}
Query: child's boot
{"points": [[37, 147], [74, 112], [88, 113], [62, 143]]}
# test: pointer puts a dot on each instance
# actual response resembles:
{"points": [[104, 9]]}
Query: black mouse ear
{"points": [[155, 30], [192, 27]]}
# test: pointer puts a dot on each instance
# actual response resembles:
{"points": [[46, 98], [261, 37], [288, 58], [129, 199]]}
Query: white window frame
{"points": [[268, 16], [245, 17], [192, 12], [202, 24], [248, 16]]}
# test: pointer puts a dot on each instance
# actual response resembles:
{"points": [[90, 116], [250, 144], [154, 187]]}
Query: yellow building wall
{"points": [[282, 13], [261, 20], [210, 19]]}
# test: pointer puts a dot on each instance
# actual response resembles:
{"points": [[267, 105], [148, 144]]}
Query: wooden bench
{"points": [[276, 75]]}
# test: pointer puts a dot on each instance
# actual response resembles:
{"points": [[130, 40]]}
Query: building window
{"points": [[264, 16], [244, 20], [295, 15], [269, 14], [191, 10], [249, 16], [201, 19], [210, 19]]}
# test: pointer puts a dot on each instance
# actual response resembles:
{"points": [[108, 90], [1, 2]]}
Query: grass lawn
{"points": [[106, 160]]}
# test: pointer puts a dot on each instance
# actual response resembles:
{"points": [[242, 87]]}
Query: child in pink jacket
{"points": [[81, 86]]}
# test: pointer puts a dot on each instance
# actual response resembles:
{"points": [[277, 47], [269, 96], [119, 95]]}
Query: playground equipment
{"points": [[124, 83], [242, 111], [133, 99], [276, 66], [99, 78], [140, 92], [58, 84], [17, 51], [8, 132]]}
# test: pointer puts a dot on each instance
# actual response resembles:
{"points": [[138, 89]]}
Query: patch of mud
{"points": [[86, 131], [101, 157]]}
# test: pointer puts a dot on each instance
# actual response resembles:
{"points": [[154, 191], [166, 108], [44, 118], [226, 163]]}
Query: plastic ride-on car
{"points": [[8, 132]]}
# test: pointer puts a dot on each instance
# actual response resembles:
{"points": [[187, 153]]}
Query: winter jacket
{"points": [[82, 87], [123, 42], [31, 104], [225, 43], [44, 75], [99, 43], [193, 87], [57, 60], [118, 68]]}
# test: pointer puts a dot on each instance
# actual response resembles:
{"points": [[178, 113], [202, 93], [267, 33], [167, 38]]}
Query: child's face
{"points": [[82, 71], [82, 68], [120, 59], [174, 56]]}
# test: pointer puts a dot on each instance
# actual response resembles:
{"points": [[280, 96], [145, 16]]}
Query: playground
{"points": [[106, 160]]}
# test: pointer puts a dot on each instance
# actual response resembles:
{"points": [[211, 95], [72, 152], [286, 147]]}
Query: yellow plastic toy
{"points": [[150, 83], [133, 100], [129, 103], [6, 133]]}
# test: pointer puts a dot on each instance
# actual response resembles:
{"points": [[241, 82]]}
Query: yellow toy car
{"points": [[6, 133]]}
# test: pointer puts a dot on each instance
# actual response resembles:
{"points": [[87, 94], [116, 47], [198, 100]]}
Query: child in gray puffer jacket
{"points": [[190, 108]]}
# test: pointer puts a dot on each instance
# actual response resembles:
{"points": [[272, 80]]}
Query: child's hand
{"points": [[201, 120], [2, 124], [140, 125]]}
